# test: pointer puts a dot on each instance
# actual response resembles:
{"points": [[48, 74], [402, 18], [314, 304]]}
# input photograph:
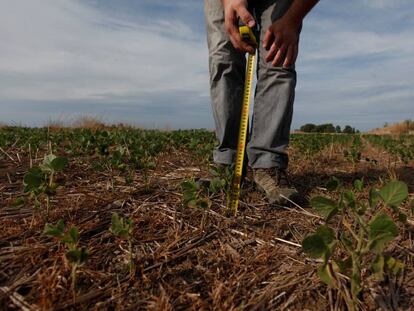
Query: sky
{"points": [[144, 62]]}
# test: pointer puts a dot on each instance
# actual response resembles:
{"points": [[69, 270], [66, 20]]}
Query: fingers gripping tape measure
{"points": [[233, 200]]}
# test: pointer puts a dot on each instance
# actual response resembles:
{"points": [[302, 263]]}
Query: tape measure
{"points": [[233, 200]]}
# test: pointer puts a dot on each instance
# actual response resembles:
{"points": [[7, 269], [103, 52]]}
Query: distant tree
{"points": [[325, 128], [385, 124], [330, 128], [307, 128], [348, 130]]}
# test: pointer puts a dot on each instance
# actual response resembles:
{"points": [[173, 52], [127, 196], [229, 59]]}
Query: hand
{"points": [[282, 42], [234, 9]]}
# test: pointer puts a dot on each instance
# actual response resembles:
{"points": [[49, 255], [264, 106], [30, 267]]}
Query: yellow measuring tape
{"points": [[233, 200]]}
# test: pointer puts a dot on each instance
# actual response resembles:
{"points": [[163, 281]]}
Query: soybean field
{"points": [[120, 218]]}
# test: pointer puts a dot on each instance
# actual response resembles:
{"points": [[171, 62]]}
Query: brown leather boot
{"points": [[275, 183]]}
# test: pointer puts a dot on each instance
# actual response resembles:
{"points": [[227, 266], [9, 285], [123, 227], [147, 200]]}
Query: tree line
{"points": [[327, 128]]}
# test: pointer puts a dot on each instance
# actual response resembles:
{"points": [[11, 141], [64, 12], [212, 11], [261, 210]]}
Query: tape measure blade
{"points": [[241, 146]]}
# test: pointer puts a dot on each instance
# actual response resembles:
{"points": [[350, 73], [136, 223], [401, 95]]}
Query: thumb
{"points": [[246, 17]]}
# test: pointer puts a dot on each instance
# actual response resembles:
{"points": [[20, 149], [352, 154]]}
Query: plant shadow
{"points": [[308, 183]]}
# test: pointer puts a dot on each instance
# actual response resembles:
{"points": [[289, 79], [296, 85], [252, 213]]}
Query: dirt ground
{"points": [[185, 258]]}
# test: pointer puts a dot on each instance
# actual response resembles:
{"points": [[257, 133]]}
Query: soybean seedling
{"points": [[353, 155], [146, 163], [222, 179], [359, 244], [39, 180], [76, 256], [192, 196], [122, 227]]}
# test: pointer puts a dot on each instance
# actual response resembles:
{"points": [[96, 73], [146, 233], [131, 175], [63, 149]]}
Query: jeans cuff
{"points": [[279, 160], [226, 156]]}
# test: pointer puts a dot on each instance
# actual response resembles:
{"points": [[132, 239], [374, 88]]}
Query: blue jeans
{"points": [[274, 94]]}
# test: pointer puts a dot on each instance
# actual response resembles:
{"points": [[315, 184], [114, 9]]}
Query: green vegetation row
{"points": [[138, 144], [87, 142], [401, 146]]}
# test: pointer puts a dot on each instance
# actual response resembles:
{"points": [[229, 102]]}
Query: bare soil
{"points": [[186, 258]]}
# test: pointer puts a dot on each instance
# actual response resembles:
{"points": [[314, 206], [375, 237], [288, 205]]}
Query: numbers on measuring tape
{"points": [[238, 170]]}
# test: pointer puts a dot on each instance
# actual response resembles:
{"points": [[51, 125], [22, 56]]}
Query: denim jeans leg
{"points": [[227, 71], [274, 97]]}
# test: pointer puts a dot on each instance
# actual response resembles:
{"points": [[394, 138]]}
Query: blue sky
{"points": [[145, 62]]}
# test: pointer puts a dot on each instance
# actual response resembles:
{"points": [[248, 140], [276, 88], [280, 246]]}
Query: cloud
{"points": [[352, 74], [146, 61], [383, 4], [65, 50]]}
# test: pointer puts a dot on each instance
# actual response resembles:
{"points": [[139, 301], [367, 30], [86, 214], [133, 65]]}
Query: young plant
{"points": [[353, 155], [360, 242], [122, 227], [39, 180], [222, 178], [76, 256], [192, 195], [146, 164]]}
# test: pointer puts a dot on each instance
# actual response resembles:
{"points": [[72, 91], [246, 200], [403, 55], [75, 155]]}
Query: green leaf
{"points": [[217, 184], [204, 203], [55, 231], [192, 203], [382, 223], [215, 171], [394, 265], [333, 184], [349, 199], [327, 234], [314, 245], [344, 265], [77, 256], [72, 237], [394, 193], [59, 163], [120, 226], [359, 185], [34, 178], [151, 165], [324, 207], [326, 275], [377, 267], [116, 157], [189, 185], [382, 230], [47, 160], [373, 197], [74, 234], [189, 188], [46, 166]]}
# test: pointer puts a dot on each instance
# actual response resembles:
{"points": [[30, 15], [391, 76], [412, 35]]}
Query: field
{"points": [[174, 245]]}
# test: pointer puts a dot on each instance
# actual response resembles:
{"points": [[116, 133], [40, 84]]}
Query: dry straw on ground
{"points": [[186, 259]]}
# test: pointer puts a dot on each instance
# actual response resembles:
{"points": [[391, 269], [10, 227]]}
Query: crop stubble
{"points": [[186, 258]]}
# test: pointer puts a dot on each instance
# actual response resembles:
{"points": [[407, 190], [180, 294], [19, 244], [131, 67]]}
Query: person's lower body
{"points": [[274, 94]]}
